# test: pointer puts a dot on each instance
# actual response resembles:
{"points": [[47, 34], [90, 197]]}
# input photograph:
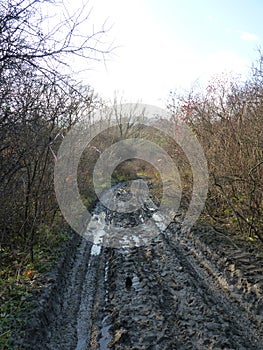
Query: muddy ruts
{"points": [[170, 305], [66, 318], [177, 292]]}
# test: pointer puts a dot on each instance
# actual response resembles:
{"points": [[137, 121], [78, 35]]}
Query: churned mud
{"points": [[179, 291]]}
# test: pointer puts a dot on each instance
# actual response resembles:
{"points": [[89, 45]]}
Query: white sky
{"points": [[168, 44]]}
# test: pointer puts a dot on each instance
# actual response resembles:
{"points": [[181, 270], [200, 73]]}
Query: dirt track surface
{"points": [[181, 291]]}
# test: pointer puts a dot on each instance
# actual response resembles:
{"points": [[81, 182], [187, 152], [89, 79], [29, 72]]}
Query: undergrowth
{"points": [[20, 280]]}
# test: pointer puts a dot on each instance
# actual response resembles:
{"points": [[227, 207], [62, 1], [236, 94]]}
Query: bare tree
{"points": [[27, 36], [39, 100]]}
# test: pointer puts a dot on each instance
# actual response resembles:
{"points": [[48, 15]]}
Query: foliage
{"points": [[39, 102], [227, 119], [21, 279]]}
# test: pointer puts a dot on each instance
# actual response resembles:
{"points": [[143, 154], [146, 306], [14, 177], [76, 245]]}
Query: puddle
{"points": [[95, 249], [106, 277], [96, 231], [136, 283], [105, 335], [105, 325]]}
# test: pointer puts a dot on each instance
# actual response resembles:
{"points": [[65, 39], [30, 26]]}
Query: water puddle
{"points": [[95, 232], [105, 325], [136, 283], [105, 335], [106, 277], [95, 249]]}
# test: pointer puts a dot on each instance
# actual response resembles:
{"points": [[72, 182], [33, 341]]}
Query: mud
{"points": [[197, 290]]}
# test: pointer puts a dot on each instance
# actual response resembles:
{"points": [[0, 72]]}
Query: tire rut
{"points": [[176, 292], [173, 307]]}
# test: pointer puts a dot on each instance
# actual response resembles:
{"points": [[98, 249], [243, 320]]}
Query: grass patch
{"points": [[20, 280]]}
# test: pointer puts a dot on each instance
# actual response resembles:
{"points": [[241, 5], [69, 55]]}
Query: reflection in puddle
{"points": [[105, 335], [95, 249], [111, 225], [105, 325], [136, 283]]}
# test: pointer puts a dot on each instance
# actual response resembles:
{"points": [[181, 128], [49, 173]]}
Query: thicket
{"points": [[40, 100], [227, 118]]}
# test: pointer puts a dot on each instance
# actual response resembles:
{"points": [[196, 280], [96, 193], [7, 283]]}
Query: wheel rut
{"points": [[176, 292]]}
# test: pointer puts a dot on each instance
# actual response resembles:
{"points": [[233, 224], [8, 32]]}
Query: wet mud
{"points": [[197, 290]]}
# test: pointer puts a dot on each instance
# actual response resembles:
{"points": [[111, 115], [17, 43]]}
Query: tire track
{"points": [[174, 293], [175, 306]]}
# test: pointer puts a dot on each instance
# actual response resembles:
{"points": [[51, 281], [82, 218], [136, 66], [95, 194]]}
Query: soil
{"points": [[195, 290]]}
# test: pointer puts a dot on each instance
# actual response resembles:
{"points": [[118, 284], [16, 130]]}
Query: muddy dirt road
{"points": [[180, 291]]}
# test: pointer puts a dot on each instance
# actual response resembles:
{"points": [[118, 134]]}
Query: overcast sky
{"points": [[166, 44]]}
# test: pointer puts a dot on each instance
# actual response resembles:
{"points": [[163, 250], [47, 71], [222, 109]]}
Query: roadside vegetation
{"points": [[227, 118], [40, 100]]}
